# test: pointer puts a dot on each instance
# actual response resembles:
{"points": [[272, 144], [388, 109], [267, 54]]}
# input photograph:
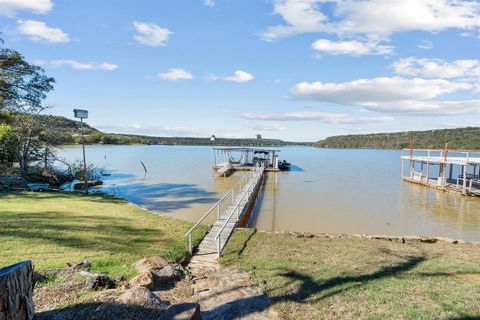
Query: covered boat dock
{"points": [[228, 160], [448, 170]]}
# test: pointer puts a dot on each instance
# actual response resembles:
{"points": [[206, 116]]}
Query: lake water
{"points": [[332, 191]]}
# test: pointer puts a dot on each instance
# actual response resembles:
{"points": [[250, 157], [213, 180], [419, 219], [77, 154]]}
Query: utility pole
{"points": [[83, 114]]}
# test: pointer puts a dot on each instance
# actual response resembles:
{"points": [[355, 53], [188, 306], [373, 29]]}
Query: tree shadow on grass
{"points": [[309, 289], [74, 195], [100, 311], [100, 232]]}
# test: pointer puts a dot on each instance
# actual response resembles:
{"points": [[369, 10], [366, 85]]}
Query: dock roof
{"points": [[246, 149]]}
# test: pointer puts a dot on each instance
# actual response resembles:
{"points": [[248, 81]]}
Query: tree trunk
{"points": [[16, 292]]}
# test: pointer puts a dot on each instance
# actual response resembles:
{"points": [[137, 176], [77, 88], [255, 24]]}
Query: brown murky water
{"points": [[334, 191]]}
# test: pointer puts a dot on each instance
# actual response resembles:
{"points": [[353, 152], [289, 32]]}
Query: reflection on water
{"points": [[335, 191]]}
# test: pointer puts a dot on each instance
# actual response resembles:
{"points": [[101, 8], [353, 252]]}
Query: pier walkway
{"points": [[229, 210]]}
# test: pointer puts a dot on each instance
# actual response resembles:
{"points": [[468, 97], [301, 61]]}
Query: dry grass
{"points": [[321, 278]]}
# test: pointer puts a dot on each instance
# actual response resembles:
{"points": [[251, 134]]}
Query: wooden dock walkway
{"points": [[239, 198]]}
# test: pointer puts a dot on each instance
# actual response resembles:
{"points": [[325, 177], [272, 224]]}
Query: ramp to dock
{"points": [[229, 210]]}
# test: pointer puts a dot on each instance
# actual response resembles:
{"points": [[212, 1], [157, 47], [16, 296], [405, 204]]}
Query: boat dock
{"points": [[448, 170], [229, 211], [229, 160]]}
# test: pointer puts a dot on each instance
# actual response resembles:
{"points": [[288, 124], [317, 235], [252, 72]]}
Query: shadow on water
{"points": [[163, 197], [296, 168]]}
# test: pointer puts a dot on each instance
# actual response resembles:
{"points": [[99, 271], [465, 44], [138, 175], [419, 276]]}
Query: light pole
{"points": [[212, 138], [82, 114]]}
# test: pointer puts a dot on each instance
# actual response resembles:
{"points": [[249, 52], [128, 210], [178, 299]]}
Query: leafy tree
{"points": [[7, 145], [23, 87]]}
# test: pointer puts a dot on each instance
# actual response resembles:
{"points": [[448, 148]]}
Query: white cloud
{"points": [[158, 130], [352, 47], [367, 92], [429, 107], [327, 117], [438, 68], [267, 127], [367, 120], [39, 31], [300, 15], [175, 74], [425, 45], [239, 76], [79, 65], [209, 3], [151, 34], [393, 95], [11, 7], [212, 77], [375, 18]]}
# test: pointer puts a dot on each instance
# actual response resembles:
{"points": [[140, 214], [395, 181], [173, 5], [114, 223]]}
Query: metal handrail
{"points": [[233, 211], [439, 150], [252, 183], [216, 205]]}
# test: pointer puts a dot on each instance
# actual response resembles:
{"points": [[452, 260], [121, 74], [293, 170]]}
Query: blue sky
{"points": [[292, 69]]}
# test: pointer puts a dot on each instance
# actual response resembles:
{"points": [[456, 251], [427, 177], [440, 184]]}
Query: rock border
{"points": [[402, 239]]}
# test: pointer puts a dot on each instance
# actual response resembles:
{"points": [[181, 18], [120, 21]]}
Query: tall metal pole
{"points": [[84, 160]]}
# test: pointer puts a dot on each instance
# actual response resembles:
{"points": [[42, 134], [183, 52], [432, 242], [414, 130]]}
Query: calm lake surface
{"points": [[332, 191]]}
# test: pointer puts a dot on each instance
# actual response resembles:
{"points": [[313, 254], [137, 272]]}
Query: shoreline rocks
{"points": [[402, 239], [142, 297], [155, 272]]}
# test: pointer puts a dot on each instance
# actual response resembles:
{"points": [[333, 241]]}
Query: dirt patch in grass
{"points": [[68, 296], [351, 278]]}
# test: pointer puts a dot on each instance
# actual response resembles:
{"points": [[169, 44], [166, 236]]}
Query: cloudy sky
{"points": [[292, 69]]}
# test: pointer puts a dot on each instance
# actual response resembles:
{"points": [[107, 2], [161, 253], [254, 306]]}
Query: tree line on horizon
{"points": [[458, 139]]}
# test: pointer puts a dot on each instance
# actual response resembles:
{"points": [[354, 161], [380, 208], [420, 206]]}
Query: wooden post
{"points": [[451, 172], [410, 140], [464, 179], [16, 291], [428, 171], [403, 165]]}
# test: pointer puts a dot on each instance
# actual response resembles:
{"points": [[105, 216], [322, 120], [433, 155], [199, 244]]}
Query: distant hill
{"points": [[69, 133], [459, 138]]}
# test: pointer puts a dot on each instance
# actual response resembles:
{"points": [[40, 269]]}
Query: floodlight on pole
{"points": [[82, 114], [212, 138]]}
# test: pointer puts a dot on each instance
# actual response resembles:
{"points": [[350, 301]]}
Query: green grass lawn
{"points": [[350, 278], [52, 229]]}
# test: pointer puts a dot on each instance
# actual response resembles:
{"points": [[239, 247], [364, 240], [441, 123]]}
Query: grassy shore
{"points": [[52, 229], [350, 278]]}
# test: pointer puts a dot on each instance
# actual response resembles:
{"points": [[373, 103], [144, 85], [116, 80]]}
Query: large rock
{"points": [[155, 278], [166, 274], [147, 264], [183, 311], [146, 280], [142, 297]]}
